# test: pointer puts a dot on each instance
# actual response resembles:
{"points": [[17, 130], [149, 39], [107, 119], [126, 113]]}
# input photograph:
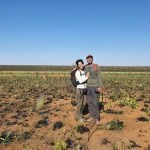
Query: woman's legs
{"points": [[80, 99]]}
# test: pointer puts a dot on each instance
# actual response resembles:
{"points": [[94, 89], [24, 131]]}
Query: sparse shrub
{"points": [[60, 145], [78, 147], [111, 111], [105, 141], [24, 136], [73, 103], [70, 143], [58, 125], [147, 110], [115, 147], [133, 144], [143, 119], [115, 125], [43, 122], [113, 97], [101, 127], [129, 102], [82, 129], [40, 103], [7, 137]]}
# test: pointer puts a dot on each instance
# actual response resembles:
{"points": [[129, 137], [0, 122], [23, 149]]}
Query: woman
{"points": [[81, 79]]}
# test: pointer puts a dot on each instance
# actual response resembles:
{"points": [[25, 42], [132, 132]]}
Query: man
{"points": [[94, 87]]}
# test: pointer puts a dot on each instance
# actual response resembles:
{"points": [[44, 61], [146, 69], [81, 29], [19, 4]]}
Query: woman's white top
{"points": [[81, 78]]}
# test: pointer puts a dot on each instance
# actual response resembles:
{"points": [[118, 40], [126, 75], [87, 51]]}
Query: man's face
{"points": [[89, 60]]}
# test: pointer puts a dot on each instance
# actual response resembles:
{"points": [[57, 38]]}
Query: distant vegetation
{"points": [[68, 68]]}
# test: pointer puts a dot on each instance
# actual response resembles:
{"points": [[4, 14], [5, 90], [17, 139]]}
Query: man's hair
{"points": [[89, 56], [79, 60]]}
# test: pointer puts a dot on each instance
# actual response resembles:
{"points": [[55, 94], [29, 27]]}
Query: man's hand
{"points": [[87, 74], [100, 90]]}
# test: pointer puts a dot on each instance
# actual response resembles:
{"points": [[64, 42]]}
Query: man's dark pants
{"points": [[93, 102]]}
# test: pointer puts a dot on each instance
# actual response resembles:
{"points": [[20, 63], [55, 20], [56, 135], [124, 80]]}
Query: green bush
{"points": [[40, 103], [60, 145], [129, 102], [115, 125]]}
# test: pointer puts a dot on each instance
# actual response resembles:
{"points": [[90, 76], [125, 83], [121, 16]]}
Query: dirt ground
{"points": [[37, 112], [19, 117]]}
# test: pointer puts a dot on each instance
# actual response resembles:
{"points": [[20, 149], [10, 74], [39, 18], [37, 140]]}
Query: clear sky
{"points": [[57, 32]]}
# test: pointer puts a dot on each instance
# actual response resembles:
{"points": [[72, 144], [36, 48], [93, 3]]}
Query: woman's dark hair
{"points": [[79, 60]]}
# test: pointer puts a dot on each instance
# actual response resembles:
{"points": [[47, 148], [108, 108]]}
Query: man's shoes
{"points": [[98, 122], [93, 120]]}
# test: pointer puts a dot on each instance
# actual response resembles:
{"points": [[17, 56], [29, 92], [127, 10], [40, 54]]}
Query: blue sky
{"points": [[57, 32]]}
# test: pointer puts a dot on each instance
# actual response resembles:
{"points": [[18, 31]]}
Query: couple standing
{"points": [[88, 89]]}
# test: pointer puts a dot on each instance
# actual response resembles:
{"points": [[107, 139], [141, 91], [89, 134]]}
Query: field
{"points": [[37, 112]]}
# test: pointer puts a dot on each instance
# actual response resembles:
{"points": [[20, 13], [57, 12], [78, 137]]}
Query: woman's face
{"points": [[80, 65]]}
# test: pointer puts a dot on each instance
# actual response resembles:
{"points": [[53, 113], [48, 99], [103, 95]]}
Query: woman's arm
{"points": [[80, 77]]}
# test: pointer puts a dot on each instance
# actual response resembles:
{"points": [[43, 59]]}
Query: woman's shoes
{"points": [[90, 120], [81, 120]]}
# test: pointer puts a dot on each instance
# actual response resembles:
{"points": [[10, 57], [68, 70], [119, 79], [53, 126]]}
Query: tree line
{"points": [[69, 68]]}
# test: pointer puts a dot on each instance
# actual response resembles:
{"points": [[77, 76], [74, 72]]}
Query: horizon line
{"points": [[74, 65]]}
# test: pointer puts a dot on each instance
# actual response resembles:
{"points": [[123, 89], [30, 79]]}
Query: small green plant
{"points": [[115, 125], [82, 129], [105, 141], [40, 103], [78, 147], [70, 143], [115, 147], [7, 137], [143, 119], [101, 127], [60, 145], [111, 111], [146, 110], [133, 145], [58, 125], [41, 123], [129, 102], [122, 145]]}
